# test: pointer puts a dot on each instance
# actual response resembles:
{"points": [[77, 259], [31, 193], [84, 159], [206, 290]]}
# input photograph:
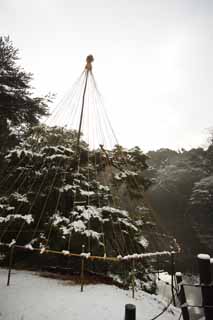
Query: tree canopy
{"points": [[182, 194], [19, 109], [54, 197]]}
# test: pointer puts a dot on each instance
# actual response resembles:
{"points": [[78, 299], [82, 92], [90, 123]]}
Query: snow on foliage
{"points": [[78, 226], [11, 217], [143, 241], [115, 211], [103, 188], [87, 221], [86, 193], [202, 192], [124, 174], [89, 212], [76, 203], [19, 197], [66, 188], [174, 178], [56, 219]]}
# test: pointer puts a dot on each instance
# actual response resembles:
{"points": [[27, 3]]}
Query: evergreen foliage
{"points": [[64, 203], [181, 194], [19, 109]]}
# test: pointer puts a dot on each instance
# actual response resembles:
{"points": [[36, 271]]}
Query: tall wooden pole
{"points": [[88, 69], [82, 110]]}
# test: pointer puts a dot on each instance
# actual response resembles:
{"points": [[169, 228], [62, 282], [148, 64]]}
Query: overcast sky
{"points": [[153, 61]]}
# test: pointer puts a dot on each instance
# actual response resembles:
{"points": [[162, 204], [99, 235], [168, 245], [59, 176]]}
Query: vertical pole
{"points": [[82, 111], [10, 264], [172, 276], [158, 268], [130, 312], [133, 278], [182, 296], [82, 270], [206, 284]]}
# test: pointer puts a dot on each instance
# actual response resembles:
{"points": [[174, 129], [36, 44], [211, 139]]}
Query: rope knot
{"points": [[89, 61]]}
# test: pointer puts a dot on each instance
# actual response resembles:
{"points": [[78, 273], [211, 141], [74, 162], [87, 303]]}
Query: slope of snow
{"points": [[31, 297]]}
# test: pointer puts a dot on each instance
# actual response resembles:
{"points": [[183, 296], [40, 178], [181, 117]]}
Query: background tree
{"points": [[176, 176], [19, 109], [200, 210]]}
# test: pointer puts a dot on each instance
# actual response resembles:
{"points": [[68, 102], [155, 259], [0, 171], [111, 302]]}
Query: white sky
{"points": [[153, 61]]}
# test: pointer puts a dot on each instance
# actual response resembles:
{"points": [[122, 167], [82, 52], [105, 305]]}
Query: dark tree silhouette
{"points": [[18, 108]]}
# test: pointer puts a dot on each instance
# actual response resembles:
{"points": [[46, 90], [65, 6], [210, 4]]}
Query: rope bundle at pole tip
{"points": [[89, 61]]}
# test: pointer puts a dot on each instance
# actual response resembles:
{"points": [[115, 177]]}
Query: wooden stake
{"points": [[10, 264], [172, 277], [133, 279], [82, 270], [158, 268]]}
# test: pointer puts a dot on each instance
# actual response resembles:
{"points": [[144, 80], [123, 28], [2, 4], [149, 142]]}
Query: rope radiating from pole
{"points": [[84, 96]]}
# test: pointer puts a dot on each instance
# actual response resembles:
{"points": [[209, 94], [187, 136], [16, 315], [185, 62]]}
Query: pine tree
{"points": [[46, 190], [18, 108]]}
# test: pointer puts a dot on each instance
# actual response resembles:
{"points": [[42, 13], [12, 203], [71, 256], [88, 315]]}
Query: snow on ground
{"points": [[31, 297]]}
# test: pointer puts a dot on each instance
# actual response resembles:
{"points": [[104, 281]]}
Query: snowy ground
{"points": [[31, 297]]}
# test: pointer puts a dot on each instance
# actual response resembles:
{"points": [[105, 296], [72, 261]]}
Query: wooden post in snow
{"points": [[173, 276], [182, 296], [206, 284], [133, 278], [82, 270], [10, 264]]}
